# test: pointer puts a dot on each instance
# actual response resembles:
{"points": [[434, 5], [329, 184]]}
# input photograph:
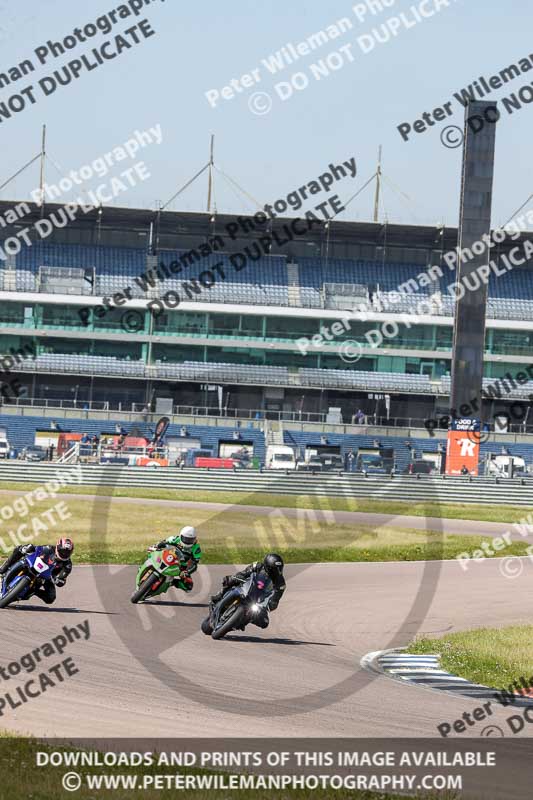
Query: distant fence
{"points": [[426, 489]]}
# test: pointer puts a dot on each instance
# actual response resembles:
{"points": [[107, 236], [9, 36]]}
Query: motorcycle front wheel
{"points": [[230, 622], [145, 588], [15, 592]]}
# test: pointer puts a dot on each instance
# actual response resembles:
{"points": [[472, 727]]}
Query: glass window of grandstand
{"points": [[327, 361], [236, 325], [52, 316], [287, 328], [176, 354], [412, 366], [419, 366], [181, 323], [113, 320], [279, 358], [14, 313], [499, 370], [389, 364], [513, 343], [65, 346], [246, 355], [235, 355], [128, 351], [443, 338], [356, 330], [418, 337], [15, 342]]}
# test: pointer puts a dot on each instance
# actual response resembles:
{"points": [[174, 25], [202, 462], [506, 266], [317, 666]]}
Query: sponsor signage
{"points": [[462, 452]]}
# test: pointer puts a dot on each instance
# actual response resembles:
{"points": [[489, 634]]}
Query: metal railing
{"points": [[297, 418], [177, 410]]}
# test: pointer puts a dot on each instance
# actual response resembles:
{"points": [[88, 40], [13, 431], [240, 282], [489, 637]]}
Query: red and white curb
{"points": [[425, 671]]}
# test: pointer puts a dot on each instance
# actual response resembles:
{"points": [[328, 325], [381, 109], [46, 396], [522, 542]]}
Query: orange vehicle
{"points": [[65, 442]]}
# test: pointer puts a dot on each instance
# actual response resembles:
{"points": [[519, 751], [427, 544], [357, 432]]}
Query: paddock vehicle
{"points": [[315, 464], [332, 461], [34, 453], [25, 577], [372, 464], [419, 467], [238, 607], [158, 572], [279, 456]]}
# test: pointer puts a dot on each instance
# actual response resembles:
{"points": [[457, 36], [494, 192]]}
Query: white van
{"points": [[4, 448], [280, 456], [506, 466]]}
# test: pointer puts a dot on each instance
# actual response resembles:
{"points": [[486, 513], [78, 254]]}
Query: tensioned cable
{"points": [[180, 191], [357, 193], [233, 189], [345, 206], [56, 166], [243, 191], [63, 174], [516, 212], [405, 197], [12, 178]]}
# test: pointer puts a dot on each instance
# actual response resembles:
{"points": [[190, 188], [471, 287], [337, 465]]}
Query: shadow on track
{"points": [[262, 640], [50, 610], [174, 605]]}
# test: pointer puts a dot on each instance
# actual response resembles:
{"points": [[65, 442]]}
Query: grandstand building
{"points": [[230, 343]]}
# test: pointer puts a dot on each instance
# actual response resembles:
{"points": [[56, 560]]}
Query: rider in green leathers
{"points": [[186, 544]]}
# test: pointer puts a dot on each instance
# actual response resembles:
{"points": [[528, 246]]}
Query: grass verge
{"points": [[482, 513], [22, 779], [495, 657], [120, 533]]}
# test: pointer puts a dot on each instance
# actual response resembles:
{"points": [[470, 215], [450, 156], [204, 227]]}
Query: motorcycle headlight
{"points": [[255, 608]]}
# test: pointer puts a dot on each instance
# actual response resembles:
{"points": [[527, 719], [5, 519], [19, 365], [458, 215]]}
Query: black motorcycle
{"points": [[238, 607]]}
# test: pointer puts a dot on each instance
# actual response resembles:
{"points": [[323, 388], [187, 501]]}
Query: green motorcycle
{"points": [[158, 572]]}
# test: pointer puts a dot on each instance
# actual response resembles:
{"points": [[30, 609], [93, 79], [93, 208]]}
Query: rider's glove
{"points": [[26, 548]]}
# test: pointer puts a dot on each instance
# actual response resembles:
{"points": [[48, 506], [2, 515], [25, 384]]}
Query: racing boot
{"points": [[183, 583], [10, 560]]}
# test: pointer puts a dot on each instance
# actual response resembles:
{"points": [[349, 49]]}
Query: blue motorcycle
{"points": [[25, 577]]}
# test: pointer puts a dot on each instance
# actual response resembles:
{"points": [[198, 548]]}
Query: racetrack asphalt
{"points": [[148, 670]]}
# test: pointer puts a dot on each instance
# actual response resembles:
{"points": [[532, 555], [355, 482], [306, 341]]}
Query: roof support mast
{"points": [[41, 180], [211, 165], [378, 186]]}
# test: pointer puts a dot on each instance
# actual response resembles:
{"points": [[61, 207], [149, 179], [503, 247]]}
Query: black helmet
{"points": [[273, 565]]}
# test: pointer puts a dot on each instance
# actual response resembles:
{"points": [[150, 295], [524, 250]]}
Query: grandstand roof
{"points": [[177, 224]]}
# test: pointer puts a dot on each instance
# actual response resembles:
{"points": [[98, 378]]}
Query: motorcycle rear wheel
{"points": [[206, 626]]}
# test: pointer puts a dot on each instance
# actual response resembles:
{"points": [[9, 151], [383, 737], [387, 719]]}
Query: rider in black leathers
{"points": [[270, 568]]}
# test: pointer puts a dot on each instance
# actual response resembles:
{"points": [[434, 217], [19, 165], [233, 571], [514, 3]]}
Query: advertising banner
{"points": [[462, 453]]}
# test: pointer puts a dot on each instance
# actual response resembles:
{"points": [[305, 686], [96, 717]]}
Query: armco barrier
{"points": [[409, 489]]}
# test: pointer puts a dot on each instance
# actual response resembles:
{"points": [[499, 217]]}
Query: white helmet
{"points": [[188, 537]]}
